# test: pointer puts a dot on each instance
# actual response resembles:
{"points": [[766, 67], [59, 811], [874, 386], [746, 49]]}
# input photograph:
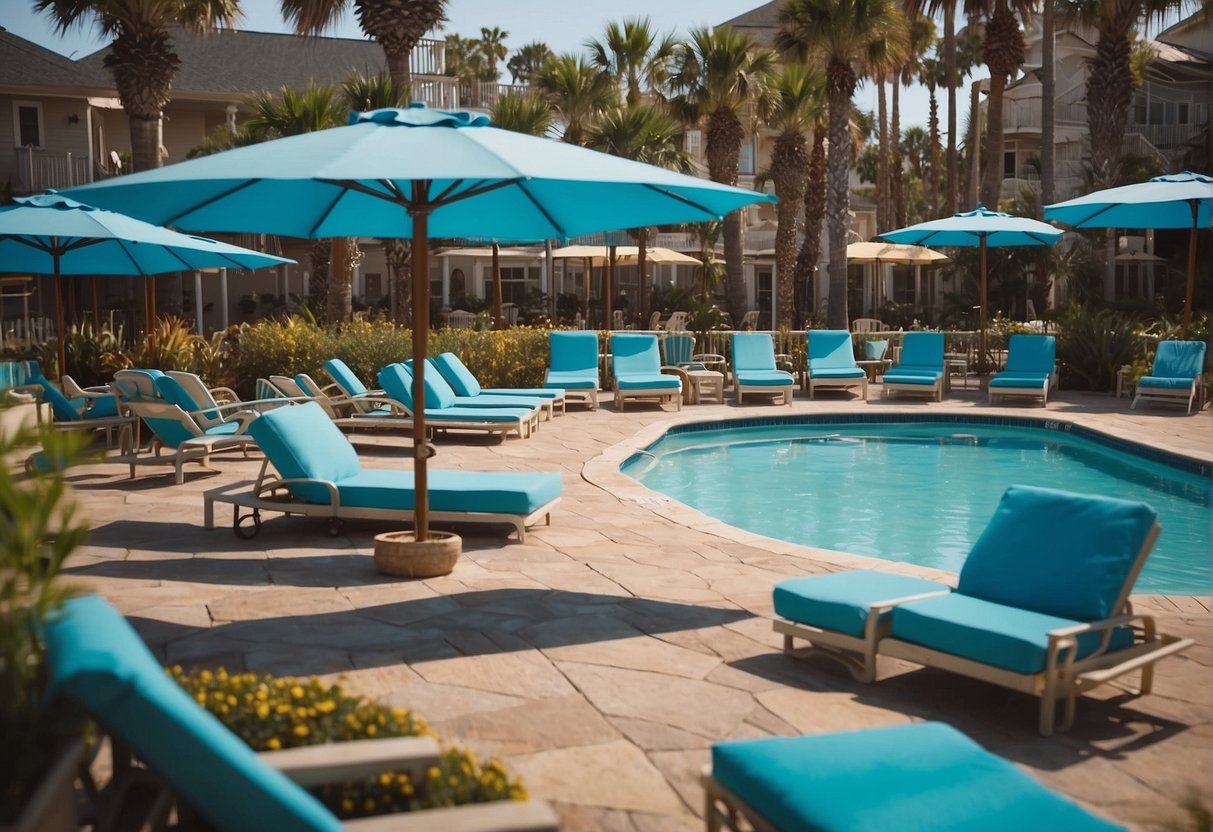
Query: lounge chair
{"points": [[924, 776], [748, 321], [636, 366], [465, 384], [573, 366], [445, 391], [1176, 374], [754, 368], [677, 350], [1030, 369], [441, 414], [1041, 605], [355, 392], [99, 664], [135, 385], [920, 369], [206, 413], [320, 476], [373, 411], [76, 408], [832, 362], [175, 430]]}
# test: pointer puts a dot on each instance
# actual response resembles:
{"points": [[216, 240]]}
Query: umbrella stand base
{"points": [[401, 555]]}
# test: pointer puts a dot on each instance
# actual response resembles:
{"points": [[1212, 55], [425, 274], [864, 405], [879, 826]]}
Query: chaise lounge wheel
{"points": [[247, 526], [334, 527]]}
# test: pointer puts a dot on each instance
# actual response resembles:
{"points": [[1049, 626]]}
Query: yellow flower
{"points": [[300, 731], [297, 692], [273, 743], [263, 710]]}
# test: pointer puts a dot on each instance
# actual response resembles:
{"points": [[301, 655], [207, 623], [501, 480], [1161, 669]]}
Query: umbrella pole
{"points": [[981, 359], [585, 296], [96, 312], [498, 322], [421, 332], [59, 333], [1191, 272], [608, 291], [645, 285]]}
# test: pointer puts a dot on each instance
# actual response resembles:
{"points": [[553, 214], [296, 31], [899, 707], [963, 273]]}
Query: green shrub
{"points": [[1093, 344], [270, 714]]}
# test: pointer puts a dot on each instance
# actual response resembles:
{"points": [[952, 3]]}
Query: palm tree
{"points": [[527, 60], [577, 92], [794, 102], [717, 74], [1048, 110], [492, 46], [1110, 80], [930, 74], [847, 36], [642, 133], [949, 76], [921, 38], [1003, 49], [635, 56], [396, 25], [141, 57], [529, 114], [814, 210]]}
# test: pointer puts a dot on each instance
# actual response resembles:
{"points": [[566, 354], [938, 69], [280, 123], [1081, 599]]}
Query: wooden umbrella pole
{"points": [[96, 311], [608, 290], [1191, 272], [59, 333], [498, 321], [981, 359], [421, 331], [641, 256], [585, 296]]}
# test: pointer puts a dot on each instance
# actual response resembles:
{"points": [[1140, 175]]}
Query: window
{"points": [[903, 286], [1008, 164], [1156, 112], [372, 287], [27, 123], [515, 280], [745, 165], [764, 297], [1182, 114]]}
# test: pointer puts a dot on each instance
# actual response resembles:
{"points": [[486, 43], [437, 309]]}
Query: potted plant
{"points": [[38, 530]]}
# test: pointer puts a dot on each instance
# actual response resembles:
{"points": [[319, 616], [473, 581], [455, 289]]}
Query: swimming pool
{"points": [[922, 490]]}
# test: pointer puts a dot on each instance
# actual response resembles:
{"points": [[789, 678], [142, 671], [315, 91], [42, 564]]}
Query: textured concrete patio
{"points": [[602, 658]]}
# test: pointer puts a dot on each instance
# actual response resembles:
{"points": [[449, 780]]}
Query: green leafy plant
{"points": [[270, 714], [1093, 344], [39, 528]]}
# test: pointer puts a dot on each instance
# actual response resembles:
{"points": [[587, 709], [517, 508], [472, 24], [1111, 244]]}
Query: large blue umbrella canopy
{"points": [[52, 234], [415, 173], [1178, 200], [980, 228]]}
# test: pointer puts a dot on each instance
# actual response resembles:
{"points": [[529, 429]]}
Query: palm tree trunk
{"points": [[725, 135], [789, 170], [642, 301], [814, 211], [838, 199], [933, 196], [897, 203], [882, 158], [952, 186], [1048, 91], [340, 295], [145, 143], [398, 68], [1109, 93], [991, 185]]}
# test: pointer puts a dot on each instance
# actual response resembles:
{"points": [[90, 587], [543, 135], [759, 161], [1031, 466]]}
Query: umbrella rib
{"points": [[343, 187], [682, 199], [248, 183], [539, 207], [122, 247]]}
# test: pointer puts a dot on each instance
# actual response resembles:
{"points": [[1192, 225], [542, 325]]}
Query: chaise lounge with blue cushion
{"points": [[445, 391], [832, 362], [441, 412], [177, 431], [920, 369], [924, 776], [465, 384], [1175, 376], [319, 475], [636, 365], [1030, 369], [1041, 604], [573, 366], [75, 408], [98, 664], [754, 368]]}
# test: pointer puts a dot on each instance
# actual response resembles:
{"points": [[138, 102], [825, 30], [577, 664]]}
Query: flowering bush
{"points": [[270, 714]]}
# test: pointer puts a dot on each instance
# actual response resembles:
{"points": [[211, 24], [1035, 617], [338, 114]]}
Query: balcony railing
{"points": [[38, 170], [428, 57]]}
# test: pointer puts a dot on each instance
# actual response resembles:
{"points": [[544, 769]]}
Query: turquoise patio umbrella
{"points": [[981, 228], [416, 173], [1179, 200], [52, 234]]}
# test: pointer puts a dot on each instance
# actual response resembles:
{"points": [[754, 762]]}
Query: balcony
{"points": [[37, 170]]}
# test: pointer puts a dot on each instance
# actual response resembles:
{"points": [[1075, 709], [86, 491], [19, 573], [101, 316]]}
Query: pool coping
{"points": [[604, 471]]}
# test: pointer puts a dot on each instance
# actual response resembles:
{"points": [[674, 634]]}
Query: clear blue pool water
{"points": [[918, 491]]}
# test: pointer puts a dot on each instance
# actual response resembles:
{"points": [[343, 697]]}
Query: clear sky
{"points": [[561, 24]]}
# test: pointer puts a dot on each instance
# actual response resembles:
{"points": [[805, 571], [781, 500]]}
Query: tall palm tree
{"points": [[642, 133], [1003, 49], [527, 60], [950, 73], [142, 59], [1048, 110], [795, 101], [636, 57], [921, 38], [1110, 80], [882, 153], [577, 92], [396, 25], [717, 74], [847, 36], [814, 211], [492, 45], [930, 74]]}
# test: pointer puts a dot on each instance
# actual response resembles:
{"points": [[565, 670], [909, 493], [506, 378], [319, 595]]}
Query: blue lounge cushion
{"points": [[1057, 553], [457, 374], [753, 351], [494, 492], [340, 372], [172, 392], [1159, 383], [765, 378], [302, 442], [1179, 360], [573, 352], [397, 383], [875, 350], [481, 399], [678, 348], [1008, 379], [910, 778], [61, 405], [993, 634], [922, 349], [839, 601], [96, 661], [911, 375], [573, 379], [830, 349], [1031, 353], [642, 381], [836, 372], [635, 354]]}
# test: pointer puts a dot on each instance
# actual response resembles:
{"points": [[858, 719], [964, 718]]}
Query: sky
{"points": [[563, 25]]}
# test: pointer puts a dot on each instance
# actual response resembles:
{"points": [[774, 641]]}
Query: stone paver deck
{"points": [[602, 658]]}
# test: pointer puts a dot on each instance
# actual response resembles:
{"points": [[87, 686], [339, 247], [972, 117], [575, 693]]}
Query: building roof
{"points": [[240, 62], [761, 23], [26, 64]]}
